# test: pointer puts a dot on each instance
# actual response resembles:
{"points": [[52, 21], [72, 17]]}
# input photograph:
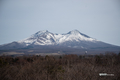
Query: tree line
{"points": [[64, 67]]}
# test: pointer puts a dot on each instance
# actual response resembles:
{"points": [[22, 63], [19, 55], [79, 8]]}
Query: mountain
{"points": [[48, 38], [73, 40]]}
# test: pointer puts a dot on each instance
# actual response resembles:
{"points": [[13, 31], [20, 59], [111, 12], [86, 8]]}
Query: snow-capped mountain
{"points": [[48, 38], [73, 40]]}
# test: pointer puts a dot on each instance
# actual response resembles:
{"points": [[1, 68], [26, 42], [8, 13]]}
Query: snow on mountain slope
{"points": [[48, 38], [39, 38], [75, 35]]}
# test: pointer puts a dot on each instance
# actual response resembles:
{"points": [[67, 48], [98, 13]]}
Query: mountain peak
{"points": [[74, 32], [40, 33], [44, 31]]}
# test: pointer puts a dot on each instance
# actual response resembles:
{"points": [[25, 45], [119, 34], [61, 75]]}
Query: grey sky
{"points": [[99, 19]]}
